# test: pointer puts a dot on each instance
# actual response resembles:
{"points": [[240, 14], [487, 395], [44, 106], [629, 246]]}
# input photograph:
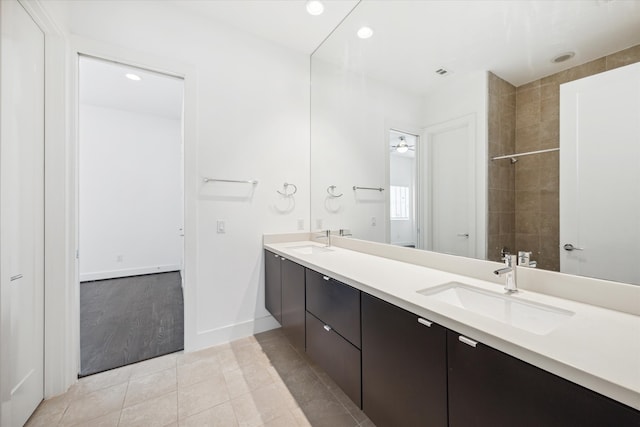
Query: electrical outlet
{"points": [[373, 221], [119, 258], [301, 224], [221, 227], [318, 223]]}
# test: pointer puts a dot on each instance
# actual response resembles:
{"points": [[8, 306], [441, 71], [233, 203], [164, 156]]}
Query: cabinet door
{"points": [[337, 356], [272, 285], [293, 314], [336, 304], [404, 367], [488, 387]]}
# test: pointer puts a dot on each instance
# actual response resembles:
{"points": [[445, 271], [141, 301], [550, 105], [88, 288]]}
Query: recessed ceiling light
{"points": [[134, 77], [365, 32], [563, 57], [315, 7]]}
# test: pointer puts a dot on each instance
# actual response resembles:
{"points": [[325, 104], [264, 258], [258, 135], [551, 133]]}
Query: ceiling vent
{"points": [[443, 72]]}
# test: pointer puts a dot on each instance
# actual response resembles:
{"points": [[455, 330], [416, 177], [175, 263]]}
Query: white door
{"points": [[450, 196], [22, 215], [600, 179]]}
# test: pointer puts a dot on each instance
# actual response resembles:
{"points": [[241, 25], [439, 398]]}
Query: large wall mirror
{"points": [[479, 127]]}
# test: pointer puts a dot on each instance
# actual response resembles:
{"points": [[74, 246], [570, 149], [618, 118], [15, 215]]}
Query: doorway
{"points": [[130, 206], [403, 224]]}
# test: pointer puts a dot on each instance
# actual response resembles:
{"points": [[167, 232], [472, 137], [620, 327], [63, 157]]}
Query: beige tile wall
{"points": [[502, 114], [537, 106]]}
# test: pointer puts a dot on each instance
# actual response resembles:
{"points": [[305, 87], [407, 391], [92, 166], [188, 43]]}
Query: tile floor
{"points": [[257, 381]]}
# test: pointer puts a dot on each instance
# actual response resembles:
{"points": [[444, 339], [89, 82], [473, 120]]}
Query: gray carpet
{"points": [[129, 319]]}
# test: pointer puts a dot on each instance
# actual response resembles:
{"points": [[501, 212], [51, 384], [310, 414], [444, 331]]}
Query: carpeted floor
{"points": [[129, 319]]}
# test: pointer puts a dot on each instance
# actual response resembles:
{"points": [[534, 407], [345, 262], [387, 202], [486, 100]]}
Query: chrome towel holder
{"points": [[380, 189], [248, 181], [332, 191], [284, 190]]}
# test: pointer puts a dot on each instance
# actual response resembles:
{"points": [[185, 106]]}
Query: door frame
{"points": [[118, 54], [416, 184], [409, 130]]}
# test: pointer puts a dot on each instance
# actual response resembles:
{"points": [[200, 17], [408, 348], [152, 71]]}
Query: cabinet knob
{"points": [[325, 277], [468, 341], [327, 328], [424, 322]]}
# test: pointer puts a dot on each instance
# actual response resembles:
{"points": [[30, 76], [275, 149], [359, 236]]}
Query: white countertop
{"points": [[596, 348]]}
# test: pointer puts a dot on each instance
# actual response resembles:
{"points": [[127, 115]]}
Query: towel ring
{"points": [[331, 190], [284, 188]]}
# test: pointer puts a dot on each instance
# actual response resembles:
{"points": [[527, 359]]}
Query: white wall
{"points": [[459, 97], [246, 116], [352, 115], [130, 193]]}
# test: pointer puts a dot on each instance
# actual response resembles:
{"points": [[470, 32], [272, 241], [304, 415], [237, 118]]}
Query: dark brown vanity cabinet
{"points": [[333, 331], [490, 388], [404, 370], [335, 303], [404, 367], [273, 284], [293, 300], [338, 357], [284, 296]]}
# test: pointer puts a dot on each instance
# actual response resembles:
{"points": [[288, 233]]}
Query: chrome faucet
{"points": [[510, 271], [524, 260], [326, 234]]}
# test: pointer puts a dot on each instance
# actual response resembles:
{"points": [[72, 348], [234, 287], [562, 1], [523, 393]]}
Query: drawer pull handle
{"points": [[326, 277], [16, 277], [424, 322], [327, 328], [468, 341]]}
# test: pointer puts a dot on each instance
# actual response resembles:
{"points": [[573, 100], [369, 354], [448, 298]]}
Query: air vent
{"points": [[443, 72]]}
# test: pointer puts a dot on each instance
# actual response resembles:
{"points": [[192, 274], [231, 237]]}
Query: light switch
{"points": [[301, 224], [221, 227], [318, 223]]}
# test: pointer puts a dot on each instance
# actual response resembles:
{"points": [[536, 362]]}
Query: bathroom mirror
{"points": [[467, 84]]}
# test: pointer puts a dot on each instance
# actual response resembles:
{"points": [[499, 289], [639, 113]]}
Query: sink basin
{"points": [[533, 317], [310, 249]]}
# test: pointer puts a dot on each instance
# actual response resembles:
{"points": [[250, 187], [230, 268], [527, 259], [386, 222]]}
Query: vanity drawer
{"points": [[335, 303], [337, 356]]}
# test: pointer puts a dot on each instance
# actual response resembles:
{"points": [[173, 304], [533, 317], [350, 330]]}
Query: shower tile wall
{"points": [[502, 119], [537, 177]]}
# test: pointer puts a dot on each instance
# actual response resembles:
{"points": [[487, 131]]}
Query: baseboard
{"points": [[211, 337], [114, 274]]}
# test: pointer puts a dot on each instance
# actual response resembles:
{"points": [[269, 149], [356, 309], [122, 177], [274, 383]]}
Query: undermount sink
{"points": [[310, 249], [533, 317]]}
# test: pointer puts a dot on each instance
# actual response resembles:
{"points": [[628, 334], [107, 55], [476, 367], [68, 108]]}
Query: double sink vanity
{"points": [[412, 342]]}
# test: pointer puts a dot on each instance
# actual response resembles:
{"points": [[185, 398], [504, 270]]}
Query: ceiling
{"points": [[104, 84], [514, 39], [285, 22]]}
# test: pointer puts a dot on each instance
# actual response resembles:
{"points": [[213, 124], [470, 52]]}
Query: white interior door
{"points": [[22, 201], [600, 179], [449, 176]]}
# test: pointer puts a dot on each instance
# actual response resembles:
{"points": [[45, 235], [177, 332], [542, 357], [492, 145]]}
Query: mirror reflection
{"points": [[475, 93]]}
